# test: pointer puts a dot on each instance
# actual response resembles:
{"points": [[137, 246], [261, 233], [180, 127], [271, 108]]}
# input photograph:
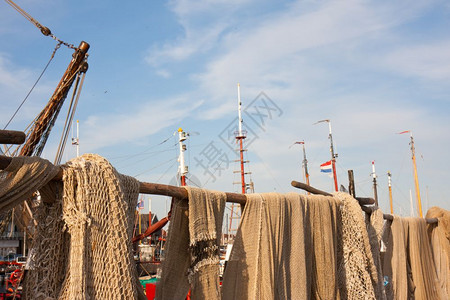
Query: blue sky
{"points": [[374, 68]]}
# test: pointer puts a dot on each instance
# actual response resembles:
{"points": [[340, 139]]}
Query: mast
{"points": [[416, 178], [43, 124], [240, 137], [390, 192], [333, 155], [374, 176], [76, 141], [183, 169], [411, 202], [304, 162]]}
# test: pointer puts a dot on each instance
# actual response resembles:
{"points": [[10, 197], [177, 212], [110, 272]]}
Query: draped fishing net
{"points": [[374, 224], [192, 246], [287, 247], [408, 264], [357, 272], [440, 244], [83, 245], [301, 247]]}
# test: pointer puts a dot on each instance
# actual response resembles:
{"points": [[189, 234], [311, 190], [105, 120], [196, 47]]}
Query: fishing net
{"points": [[357, 272], [192, 259], [408, 266], [374, 225], [440, 244], [420, 258], [23, 177], [324, 218], [268, 259], [395, 264], [83, 245]]}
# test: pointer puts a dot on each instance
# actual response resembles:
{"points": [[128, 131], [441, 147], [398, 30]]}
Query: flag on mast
{"points": [[141, 203], [406, 131], [326, 167]]}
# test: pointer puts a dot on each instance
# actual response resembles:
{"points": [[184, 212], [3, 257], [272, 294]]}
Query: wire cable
{"points": [[32, 88]]}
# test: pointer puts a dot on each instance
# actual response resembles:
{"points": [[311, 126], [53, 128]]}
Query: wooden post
{"points": [[12, 137], [351, 183]]}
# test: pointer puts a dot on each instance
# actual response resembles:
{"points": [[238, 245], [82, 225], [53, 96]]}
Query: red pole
{"points": [[183, 180], [242, 164], [333, 164]]}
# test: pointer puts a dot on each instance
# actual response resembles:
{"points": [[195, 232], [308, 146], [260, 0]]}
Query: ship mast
{"points": [[240, 138], [416, 178], [304, 163], [374, 176], [333, 155], [390, 192], [76, 141], [182, 169]]}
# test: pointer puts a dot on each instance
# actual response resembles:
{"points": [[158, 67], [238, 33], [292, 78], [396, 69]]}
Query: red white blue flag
{"points": [[141, 204], [326, 167]]}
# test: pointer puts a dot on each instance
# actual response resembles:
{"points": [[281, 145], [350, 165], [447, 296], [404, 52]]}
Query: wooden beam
{"points": [[148, 187], [351, 183], [389, 217], [312, 190], [308, 188], [12, 137]]}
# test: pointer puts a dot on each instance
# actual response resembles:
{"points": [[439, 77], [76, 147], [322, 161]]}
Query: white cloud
{"points": [[163, 73], [194, 41], [430, 61], [108, 130]]}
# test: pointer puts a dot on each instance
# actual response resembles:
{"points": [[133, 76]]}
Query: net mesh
{"points": [[357, 272], [440, 244], [84, 250]]}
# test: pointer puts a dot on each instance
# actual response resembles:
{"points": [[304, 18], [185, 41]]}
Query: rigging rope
{"points": [[70, 113], [45, 30], [34, 85]]}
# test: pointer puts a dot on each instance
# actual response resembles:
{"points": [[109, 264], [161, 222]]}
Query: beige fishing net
{"points": [[192, 259], [357, 272], [83, 249], [408, 265], [22, 177], [440, 244], [268, 260], [374, 224], [395, 265], [324, 252]]}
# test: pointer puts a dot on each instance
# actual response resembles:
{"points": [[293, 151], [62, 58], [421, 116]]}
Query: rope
{"points": [[70, 113], [45, 30], [32, 88]]}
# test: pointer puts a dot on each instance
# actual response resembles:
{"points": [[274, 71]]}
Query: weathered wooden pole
{"points": [[351, 183], [12, 137]]}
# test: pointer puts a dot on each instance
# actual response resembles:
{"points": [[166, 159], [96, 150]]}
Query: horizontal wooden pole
{"points": [[12, 137], [312, 190], [308, 188], [149, 188], [389, 217]]}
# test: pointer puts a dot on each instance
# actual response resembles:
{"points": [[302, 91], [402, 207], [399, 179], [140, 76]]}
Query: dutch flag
{"points": [[326, 167]]}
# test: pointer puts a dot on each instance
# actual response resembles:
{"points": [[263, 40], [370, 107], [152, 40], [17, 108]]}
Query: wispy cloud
{"points": [[430, 61], [112, 129]]}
